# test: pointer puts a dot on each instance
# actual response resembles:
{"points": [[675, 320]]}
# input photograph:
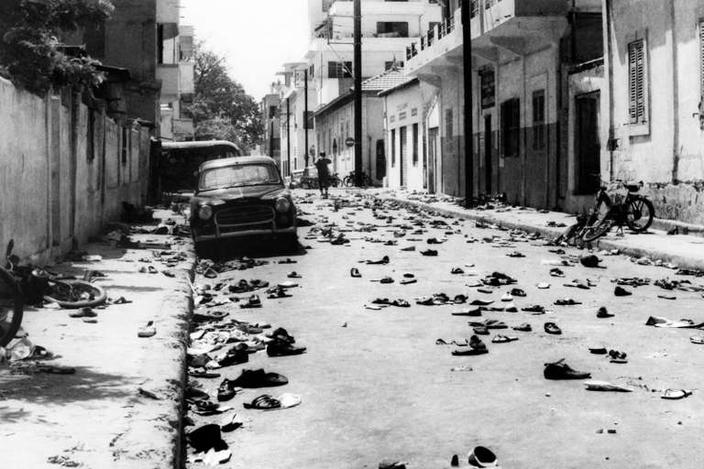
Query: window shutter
{"points": [[638, 89]]}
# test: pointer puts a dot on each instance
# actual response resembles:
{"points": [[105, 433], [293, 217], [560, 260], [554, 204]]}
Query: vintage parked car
{"points": [[241, 197]]}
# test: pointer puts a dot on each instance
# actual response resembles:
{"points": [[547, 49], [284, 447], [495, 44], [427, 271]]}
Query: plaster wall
{"points": [[668, 154], [54, 192]]}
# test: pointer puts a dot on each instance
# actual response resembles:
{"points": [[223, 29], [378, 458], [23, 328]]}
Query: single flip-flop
{"points": [[263, 402], [503, 339], [675, 394], [697, 339]]}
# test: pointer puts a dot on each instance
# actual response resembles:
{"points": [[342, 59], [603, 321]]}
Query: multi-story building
{"points": [[523, 54], [388, 27], [334, 127], [270, 112], [148, 58], [653, 127], [175, 70]]}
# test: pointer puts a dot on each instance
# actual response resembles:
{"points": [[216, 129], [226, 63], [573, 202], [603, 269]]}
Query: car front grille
{"points": [[246, 215]]}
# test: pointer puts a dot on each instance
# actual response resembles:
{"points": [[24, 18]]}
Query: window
{"points": [[339, 69], [448, 124], [390, 65], [433, 24], [308, 120], [474, 8], [488, 88], [273, 111], [637, 83], [415, 144], [539, 120], [125, 145], [511, 127], [393, 147], [311, 71], [392, 29]]}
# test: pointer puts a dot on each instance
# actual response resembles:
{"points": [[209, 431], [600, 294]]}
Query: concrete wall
{"points": [[56, 189], [668, 155]]}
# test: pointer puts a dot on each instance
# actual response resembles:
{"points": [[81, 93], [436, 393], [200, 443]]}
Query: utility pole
{"points": [[468, 104], [305, 117], [358, 92], [288, 136]]}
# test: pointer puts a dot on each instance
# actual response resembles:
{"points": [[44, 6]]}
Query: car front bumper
{"points": [[200, 237]]}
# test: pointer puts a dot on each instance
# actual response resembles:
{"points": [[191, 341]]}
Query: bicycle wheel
{"points": [[596, 231], [74, 294], [11, 307], [640, 212], [348, 181]]}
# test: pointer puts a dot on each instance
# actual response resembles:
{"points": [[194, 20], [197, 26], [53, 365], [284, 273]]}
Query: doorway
{"points": [[587, 145], [403, 148], [488, 146], [432, 157]]}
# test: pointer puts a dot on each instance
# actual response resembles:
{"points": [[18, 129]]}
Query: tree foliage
{"points": [[221, 108], [30, 48]]}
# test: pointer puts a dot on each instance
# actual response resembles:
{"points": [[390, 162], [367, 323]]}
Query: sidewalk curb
{"points": [[624, 248], [154, 439]]}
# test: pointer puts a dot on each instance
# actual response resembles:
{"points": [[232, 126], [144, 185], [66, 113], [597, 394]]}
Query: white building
{"points": [[388, 27]]}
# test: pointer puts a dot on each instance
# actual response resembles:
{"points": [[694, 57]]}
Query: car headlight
{"points": [[205, 212], [283, 205]]}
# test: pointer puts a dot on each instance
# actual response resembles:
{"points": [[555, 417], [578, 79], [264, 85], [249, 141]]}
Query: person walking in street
{"points": [[323, 174]]}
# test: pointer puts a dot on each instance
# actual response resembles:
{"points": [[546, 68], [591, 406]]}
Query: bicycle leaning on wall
{"points": [[618, 204]]}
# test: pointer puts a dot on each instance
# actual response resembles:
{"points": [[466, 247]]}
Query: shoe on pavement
{"points": [[518, 293], [252, 302], [83, 313], [429, 252], [280, 348], [556, 272], [384, 260], [525, 327], [263, 402], [602, 313], [566, 302], [590, 261], [507, 297], [294, 274], [259, 379], [620, 291], [226, 390], [552, 328], [560, 370], [481, 330], [534, 309], [482, 457], [148, 330], [503, 339], [354, 273]]}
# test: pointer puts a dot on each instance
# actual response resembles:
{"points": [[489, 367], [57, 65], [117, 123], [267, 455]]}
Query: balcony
{"points": [[186, 71], [169, 76], [499, 27]]}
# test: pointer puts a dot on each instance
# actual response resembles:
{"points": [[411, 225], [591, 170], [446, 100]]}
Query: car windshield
{"points": [[239, 176]]}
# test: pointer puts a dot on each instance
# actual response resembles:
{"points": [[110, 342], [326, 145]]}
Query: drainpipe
{"points": [[611, 144], [675, 100]]}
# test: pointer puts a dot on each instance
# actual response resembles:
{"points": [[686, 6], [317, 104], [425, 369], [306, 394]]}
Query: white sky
{"points": [[255, 36]]}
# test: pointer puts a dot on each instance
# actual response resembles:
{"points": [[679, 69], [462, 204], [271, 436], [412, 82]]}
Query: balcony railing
{"points": [[432, 36]]}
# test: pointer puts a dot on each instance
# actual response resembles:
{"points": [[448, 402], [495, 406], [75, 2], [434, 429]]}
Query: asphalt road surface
{"points": [[375, 385]]}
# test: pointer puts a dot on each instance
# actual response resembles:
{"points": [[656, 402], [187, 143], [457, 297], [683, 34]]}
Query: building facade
{"points": [[522, 52], [325, 72], [270, 112], [406, 136], [655, 102], [334, 128]]}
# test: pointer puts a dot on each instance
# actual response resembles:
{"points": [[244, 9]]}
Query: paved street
{"points": [[375, 385]]}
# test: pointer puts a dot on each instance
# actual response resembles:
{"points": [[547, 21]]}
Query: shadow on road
{"points": [[43, 388], [229, 249]]}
